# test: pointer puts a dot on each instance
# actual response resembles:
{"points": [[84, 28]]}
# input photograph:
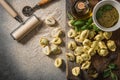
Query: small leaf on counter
{"points": [[106, 73]]}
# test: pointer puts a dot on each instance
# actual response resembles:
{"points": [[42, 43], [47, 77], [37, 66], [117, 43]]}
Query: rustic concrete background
{"points": [[25, 61]]}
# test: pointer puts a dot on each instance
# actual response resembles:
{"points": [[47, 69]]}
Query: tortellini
{"points": [[102, 45], [107, 35], [84, 35], [86, 57], [55, 49], [86, 48], [86, 65], [76, 71], [70, 56], [87, 42], [69, 24], [103, 52], [46, 50], [44, 42], [91, 52], [111, 45], [57, 40], [79, 50], [79, 59], [78, 39], [57, 32], [99, 37], [58, 62], [50, 21], [92, 34], [72, 45], [94, 45], [72, 33]]}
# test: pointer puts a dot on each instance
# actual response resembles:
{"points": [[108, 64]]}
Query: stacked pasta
{"points": [[86, 43]]}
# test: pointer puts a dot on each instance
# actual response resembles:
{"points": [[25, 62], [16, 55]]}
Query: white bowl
{"points": [[115, 4]]}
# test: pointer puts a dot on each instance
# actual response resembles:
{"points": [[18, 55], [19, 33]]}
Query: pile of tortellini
{"points": [[86, 43], [52, 47]]}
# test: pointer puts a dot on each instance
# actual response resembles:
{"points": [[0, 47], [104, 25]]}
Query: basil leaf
{"points": [[84, 27], [112, 66], [90, 20], [79, 23], [106, 73], [95, 27], [114, 76]]}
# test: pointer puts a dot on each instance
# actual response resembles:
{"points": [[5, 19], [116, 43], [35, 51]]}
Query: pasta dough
{"points": [[57, 32], [79, 59], [111, 45], [58, 62], [72, 45], [46, 50], [71, 33], [56, 41], [107, 35], [86, 65], [70, 56], [44, 42], [76, 71]]}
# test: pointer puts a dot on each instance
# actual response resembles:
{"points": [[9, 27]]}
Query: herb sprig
{"points": [[109, 72]]}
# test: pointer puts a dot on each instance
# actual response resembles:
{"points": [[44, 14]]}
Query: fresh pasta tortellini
{"points": [[102, 45], [70, 56], [46, 50], [107, 35], [44, 42], [94, 45], [57, 32], [86, 48], [69, 24], [50, 21], [84, 34], [111, 45], [103, 52], [76, 71], [55, 49], [92, 34], [79, 50], [86, 57], [78, 39], [86, 65], [79, 59], [56, 40], [87, 42], [58, 62], [91, 52], [72, 33], [99, 37], [72, 45]]}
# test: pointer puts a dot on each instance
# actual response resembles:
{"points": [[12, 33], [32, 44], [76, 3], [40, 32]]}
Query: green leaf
{"points": [[72, 22], [79, 23], [114, 76], [106, 73], [70, 16], [90, 20], [112, 66], [84, 27], [95, 27]]}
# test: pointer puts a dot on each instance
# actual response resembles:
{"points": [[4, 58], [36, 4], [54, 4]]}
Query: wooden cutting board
{"points": [[98, 62]]}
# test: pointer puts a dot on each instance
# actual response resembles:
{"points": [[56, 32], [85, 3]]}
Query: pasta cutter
{"points": [[28, 11]]}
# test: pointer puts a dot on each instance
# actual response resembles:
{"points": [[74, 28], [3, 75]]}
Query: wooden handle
{"points": [[42, 2], [8, 8]]}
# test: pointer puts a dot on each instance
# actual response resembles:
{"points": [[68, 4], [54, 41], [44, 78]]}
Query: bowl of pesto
{"points": [[106, 15]]}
